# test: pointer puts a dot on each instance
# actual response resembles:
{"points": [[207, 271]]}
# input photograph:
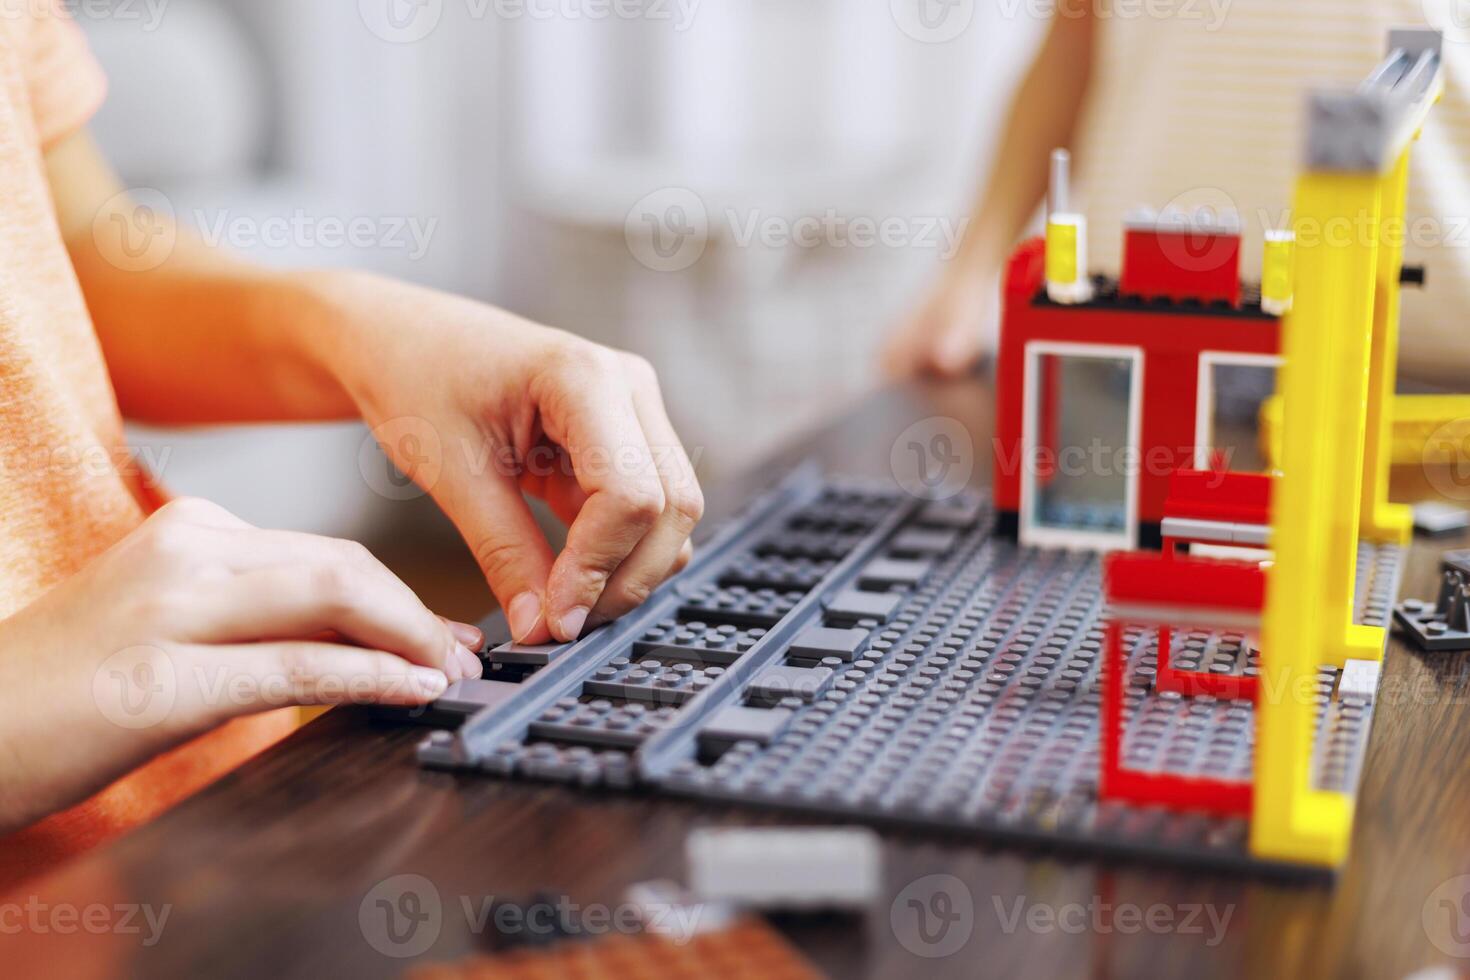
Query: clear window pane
{"points": [[1083, 454], [1232, 439]]}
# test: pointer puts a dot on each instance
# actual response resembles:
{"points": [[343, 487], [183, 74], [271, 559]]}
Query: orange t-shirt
{"points": [[68, 485]]}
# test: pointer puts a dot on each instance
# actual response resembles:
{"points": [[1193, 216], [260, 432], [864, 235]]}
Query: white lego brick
{"points": [[1434, 517], [1233, 552], [1190, 529], [785, 868], [1251, 534], [1359, 679]]}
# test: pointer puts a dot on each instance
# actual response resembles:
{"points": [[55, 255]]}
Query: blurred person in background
{"points": [[1190, 104]]}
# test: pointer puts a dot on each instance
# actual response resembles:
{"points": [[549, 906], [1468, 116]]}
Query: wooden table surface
{"points": [[273, 870]]}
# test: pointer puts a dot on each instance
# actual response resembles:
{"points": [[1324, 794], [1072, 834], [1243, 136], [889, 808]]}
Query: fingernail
{"points": [[428, 682], [469, 635], [523, 614], [572, 623], [468, 662]]}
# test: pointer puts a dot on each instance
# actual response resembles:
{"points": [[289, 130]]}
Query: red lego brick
{"points": [[1219, 495], [1181, 265]]}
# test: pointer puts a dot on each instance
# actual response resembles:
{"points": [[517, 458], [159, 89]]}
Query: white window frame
{"points": [[1032, 533], [1204, 403]]}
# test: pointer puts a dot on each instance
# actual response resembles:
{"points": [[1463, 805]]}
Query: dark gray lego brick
{"points": [[737, 605], [852, 605], [960, 512], [740, 723], [650, 680], [529, 656], [776, 572], [819, 642], [775, 684], [697, 641], [1443, 624], [474, 694], [600, 721], [821, 545], [919, 542], [887, 573]]}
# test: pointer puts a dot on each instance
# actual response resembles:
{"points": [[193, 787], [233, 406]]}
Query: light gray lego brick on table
{"points": [[1359, 679]]}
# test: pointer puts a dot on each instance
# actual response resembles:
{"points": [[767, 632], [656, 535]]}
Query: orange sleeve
{"points": [[65, 82]]}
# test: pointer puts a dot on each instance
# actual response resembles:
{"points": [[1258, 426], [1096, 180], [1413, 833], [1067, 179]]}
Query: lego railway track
{"points": [[902, 665]]}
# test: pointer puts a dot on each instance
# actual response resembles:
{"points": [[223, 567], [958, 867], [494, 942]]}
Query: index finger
{"points": [[594, 420]]}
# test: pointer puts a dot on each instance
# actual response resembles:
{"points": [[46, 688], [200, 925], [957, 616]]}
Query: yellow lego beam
{"points": [[1324, 382], [1425, 430]]}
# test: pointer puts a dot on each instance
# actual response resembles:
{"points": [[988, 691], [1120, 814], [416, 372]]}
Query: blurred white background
{"points": [[521, 135]]}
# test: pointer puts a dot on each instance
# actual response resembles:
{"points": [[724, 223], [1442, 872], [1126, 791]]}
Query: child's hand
{"points": [[947, 334], [477, 405], [192, 620]]}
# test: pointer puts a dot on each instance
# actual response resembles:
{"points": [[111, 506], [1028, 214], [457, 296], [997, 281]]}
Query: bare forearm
{"points": [[1044, 115], [191, 334], [205, 339]]}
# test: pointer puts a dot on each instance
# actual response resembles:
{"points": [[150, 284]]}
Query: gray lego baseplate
{"points": [[903, 664]]}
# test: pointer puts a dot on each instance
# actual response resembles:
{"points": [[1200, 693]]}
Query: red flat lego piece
{"points": [[1216, 584], [1220, 495]]}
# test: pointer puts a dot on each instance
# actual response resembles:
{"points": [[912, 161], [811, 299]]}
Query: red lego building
{"points": [[1177, 310]]}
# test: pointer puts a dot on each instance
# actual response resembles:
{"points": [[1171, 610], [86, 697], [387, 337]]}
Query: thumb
{"points": [[509, 547]]}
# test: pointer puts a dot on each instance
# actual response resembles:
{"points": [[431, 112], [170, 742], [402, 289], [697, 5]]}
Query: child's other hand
{"points": [[947, 334], [478, 405], [194, 619]]}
